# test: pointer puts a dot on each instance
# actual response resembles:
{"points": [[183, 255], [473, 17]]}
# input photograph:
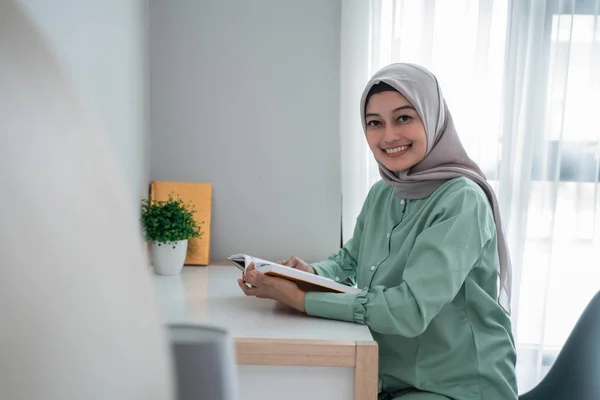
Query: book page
{"points": [[242, 261], [258, 262]]}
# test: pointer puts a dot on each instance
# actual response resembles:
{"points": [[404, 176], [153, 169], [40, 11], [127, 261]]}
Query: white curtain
{"points": [[522, 80]]}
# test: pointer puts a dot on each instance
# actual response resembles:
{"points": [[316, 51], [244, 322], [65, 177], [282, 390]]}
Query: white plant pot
{"points": [[168, 259]]}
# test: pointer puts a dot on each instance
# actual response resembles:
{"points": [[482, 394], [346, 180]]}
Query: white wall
{"points": [[245, 95], [101, 44]]}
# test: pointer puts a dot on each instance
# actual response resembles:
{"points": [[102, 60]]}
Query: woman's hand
{"points": [[294, 262], [269, 287]]}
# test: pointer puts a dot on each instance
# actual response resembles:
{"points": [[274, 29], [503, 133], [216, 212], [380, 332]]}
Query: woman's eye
{"points": [[373, 124], [404, 118]]}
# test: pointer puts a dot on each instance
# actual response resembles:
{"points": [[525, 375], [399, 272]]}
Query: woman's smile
{"points": [[393, 152]]}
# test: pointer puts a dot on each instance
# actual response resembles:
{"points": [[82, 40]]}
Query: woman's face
{"points": [[394, 131]]}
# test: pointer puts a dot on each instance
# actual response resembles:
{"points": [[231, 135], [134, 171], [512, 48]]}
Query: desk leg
{"points": [[366, 378]]}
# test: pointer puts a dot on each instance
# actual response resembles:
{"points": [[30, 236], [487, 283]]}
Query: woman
{"points": [[427, 252]]}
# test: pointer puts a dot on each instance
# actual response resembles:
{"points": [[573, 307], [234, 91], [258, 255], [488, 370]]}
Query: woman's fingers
{"points": [[261, 279], [250, 278], [250, 267], [248, 291], [256, 278], [292, 262], [247, 272]]}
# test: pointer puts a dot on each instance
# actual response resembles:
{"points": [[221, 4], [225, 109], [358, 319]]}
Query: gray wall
{"points": [[101, 45], [245, 95]]}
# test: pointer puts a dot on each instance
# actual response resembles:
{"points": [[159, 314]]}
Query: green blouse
{"points": [[428, 270]]}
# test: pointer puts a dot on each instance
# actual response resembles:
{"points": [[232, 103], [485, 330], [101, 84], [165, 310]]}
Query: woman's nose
{"points": [[392, 133]]}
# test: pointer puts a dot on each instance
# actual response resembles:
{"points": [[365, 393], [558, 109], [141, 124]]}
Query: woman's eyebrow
{"points": [[404, 107], [397, 109], [371, 115]]}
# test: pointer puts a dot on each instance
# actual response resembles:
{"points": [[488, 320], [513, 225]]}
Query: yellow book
{"points": [[200, 195]]}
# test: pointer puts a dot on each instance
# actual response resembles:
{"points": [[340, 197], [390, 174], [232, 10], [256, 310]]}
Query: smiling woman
{"points": [[395, 132], [428, 254]]}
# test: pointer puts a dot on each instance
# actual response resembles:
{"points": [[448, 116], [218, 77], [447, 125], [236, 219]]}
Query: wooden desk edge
{"points": [[361, 355], [366, 371]]}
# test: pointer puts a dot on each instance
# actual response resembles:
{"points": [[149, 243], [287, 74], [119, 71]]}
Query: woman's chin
{"points": [[396, 165]]}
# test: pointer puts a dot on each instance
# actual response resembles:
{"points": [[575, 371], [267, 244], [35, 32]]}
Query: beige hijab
{"points": [[445, 159]]}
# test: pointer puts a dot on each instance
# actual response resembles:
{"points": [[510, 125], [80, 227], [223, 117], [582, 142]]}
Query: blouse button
{"points": [[402, 201], [373, 267]]}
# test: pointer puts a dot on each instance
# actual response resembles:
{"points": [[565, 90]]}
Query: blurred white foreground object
{"points": [[79, 316]]}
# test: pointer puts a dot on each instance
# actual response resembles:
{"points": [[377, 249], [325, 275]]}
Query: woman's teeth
{"points": [[397, 149]]}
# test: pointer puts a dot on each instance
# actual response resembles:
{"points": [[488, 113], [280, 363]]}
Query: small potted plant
{"points": [[167, 226]]}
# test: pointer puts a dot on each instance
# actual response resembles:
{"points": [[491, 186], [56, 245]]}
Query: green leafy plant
{"points": [[165, 222]]}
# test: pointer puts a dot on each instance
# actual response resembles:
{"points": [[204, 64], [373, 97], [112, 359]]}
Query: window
{"points": [[560, 271], [522, 81]]}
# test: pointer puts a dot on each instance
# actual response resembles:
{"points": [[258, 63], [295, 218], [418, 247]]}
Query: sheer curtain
{"points": [[522, 79]]}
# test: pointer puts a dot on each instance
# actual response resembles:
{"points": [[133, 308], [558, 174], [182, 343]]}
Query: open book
{"points": [[304, 280]]}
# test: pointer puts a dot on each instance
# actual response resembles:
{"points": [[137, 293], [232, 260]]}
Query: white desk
{"points": [[281, 353]]}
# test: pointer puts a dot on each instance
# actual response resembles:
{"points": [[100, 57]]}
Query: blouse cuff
{"points": [[348, 307]]}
